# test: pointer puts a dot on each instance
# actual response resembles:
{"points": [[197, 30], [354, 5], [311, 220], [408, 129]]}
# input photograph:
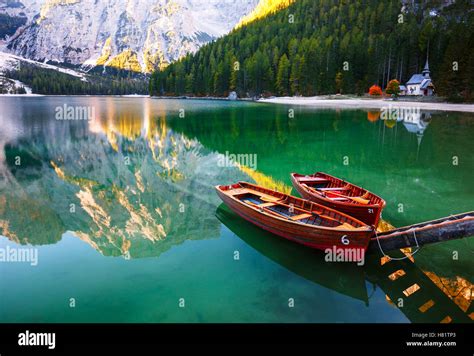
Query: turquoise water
{"points": [[122, 212]]}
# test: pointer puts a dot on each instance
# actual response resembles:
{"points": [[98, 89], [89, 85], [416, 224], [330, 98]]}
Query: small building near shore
{"points": [[233, 96], [403, 90], [421, 84]]}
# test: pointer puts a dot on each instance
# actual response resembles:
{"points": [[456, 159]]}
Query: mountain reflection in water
{"points": [[126, 185]]}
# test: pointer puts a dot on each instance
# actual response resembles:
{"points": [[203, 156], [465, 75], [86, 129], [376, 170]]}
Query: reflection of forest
{"points": [[131, 187], [323, 135], [320, 138]]}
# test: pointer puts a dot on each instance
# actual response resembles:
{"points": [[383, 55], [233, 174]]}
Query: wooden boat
{"points": [[340, 195], [343, 278], [296, 219]]}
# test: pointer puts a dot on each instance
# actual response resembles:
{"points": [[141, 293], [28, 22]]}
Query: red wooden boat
{"points": [[338, 194], [296, 219]]}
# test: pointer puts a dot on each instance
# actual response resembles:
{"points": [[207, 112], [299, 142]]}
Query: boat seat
{"points": [[266, 205], [301, 216], [312, 180], [345, 226], [260, 206], [337, 199], [360, 200], [332, 189], [239, 191], [269, 198]]}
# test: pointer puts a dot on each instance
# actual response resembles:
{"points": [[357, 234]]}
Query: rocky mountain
{"points": [[137, 35]]}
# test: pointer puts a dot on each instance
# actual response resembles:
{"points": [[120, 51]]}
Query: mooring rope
{"points": [[398, 258]]}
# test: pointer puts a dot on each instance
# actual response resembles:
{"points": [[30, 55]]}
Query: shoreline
{"points": [[356, 103], [314, 102], [209, 98]]}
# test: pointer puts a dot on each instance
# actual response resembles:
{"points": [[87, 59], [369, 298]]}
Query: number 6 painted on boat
{"points": [[345, 240]]}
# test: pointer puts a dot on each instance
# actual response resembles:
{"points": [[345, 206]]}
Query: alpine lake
{"points": [[118, 219]]}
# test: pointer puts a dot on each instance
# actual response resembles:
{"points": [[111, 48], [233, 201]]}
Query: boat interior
{"points": [[288, 207], [336, 190]]}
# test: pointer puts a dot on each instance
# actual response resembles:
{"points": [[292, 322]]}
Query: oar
{"points": [[359, 200], [324, 193]]}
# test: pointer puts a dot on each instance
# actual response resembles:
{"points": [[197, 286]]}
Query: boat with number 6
{"points": [[295, 219]]}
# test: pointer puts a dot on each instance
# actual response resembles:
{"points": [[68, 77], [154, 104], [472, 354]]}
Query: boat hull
{"points": [[310, 236], [367, 213]]}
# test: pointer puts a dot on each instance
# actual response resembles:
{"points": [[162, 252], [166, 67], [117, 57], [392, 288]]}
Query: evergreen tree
{"points": [[283, 75], [306, 57]]}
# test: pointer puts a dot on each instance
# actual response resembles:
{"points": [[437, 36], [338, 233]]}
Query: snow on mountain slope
{"points": [[138, 35], [14, 17], [20, 8], [11, 62]]}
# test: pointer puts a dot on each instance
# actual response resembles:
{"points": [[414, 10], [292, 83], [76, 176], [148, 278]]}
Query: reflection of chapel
{"points": [[417, 124]]}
